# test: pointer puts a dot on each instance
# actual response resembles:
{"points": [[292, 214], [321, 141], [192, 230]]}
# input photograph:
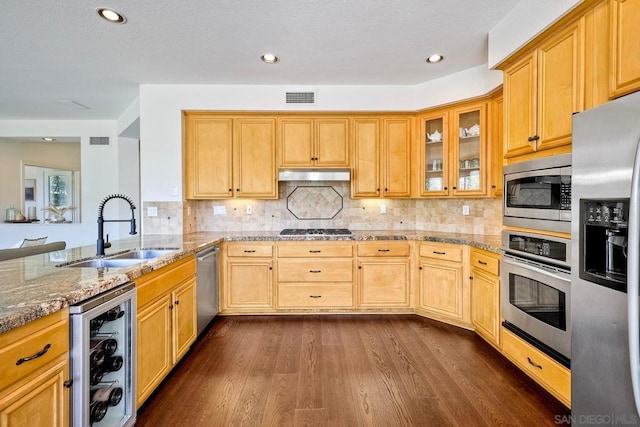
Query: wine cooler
{"points": [[103, 359]]}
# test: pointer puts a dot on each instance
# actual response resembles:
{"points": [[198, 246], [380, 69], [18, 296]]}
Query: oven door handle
{"points": [[536, 269], [633, 278]]}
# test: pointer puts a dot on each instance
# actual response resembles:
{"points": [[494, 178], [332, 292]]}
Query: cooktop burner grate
{"points": [[315, 232]]}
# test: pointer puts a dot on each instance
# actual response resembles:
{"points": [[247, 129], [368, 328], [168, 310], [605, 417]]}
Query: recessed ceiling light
{"points": [[436, 57], [48, 139], [269, 58], [111, 15]]}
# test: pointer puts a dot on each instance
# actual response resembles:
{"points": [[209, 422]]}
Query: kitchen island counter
{"points": [[33, 287]]}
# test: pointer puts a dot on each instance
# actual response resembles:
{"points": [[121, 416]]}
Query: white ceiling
{"points": [[61, 50]]}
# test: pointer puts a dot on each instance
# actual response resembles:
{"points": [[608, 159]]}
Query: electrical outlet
{"points": [[465, 209], [249, 210], [219, 210], [152, 211], [188, 210], [383, 209], [174, 191]]}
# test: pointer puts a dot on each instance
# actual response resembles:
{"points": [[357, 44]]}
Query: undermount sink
{"points": [[125, 259], [106, 263], [144, 254]]}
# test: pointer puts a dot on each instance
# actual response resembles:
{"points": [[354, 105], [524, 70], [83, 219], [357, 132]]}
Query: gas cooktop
{"points": [[315, 232]]}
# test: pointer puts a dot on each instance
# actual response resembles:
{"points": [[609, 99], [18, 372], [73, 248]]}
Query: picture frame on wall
{"points": [[29, 190]]}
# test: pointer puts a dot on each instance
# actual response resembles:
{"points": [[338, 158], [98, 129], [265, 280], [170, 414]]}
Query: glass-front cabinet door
{"points": [[469, 151], [434, 155]]}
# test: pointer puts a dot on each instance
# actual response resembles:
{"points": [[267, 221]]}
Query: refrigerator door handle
{"points": [[633, 279]]}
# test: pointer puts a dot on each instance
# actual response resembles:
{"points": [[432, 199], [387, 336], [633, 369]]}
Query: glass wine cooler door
{"points": [[102, 359]]}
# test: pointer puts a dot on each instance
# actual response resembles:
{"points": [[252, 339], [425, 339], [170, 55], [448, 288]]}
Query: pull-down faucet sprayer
{"points": [[101, 244]]}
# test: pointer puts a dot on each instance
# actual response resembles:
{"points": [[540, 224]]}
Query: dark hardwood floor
{"points": [[346, 370]]}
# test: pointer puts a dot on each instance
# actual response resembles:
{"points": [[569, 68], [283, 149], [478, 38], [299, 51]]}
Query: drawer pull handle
{"points": [[383, 250], [315, 296], [315, 251], [249, 251], [482, 262], [315, 271], [439, 253], [532, 363], [35, 356]]}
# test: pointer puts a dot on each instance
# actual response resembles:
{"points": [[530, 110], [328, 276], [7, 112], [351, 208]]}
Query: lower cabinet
{"points": [[443, 286], [166, 325], [485, 294], [383, 274], [34, 392], [315, 275], [554, 377], [247, 285]]}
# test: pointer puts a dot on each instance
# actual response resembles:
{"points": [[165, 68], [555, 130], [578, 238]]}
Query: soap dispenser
{"points": [[11, 213]]}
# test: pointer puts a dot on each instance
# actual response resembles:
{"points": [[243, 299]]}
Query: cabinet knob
{"points": [[446, 188], [470, 277], [386, 190], [67, 383], [177, 302], [493, 186], [455, 188], [377, 190], [535, 138], [237, 190], [419, 268], [270, 268], [230, 190], [171, 307], [530, 139], [360, 267]]}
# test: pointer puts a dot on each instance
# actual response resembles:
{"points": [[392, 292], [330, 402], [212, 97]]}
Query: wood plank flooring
{"points": [[346, 370]]}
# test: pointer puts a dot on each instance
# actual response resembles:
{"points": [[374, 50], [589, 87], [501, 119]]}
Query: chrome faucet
{"points": [[102, 245]]}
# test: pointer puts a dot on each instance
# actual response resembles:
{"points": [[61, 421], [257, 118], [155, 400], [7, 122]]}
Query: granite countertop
{"points": [[34, 286]]}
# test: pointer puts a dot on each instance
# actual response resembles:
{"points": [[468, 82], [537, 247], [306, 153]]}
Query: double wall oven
{"points": [[536, 264]]}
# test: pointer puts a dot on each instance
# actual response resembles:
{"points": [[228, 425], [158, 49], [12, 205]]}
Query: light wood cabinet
{"points": [[315, 275], [166, 323], [313, 142], [382, 157], [542, 89], [553, 376], [625, 49], [495, 144], [247, 285], [485, 294], [443, 284], [453, 158], [227, 157], [384, 274], [34, 393]]}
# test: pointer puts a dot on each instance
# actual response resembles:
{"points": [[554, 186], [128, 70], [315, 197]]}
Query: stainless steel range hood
{"points": [[335, 174]]}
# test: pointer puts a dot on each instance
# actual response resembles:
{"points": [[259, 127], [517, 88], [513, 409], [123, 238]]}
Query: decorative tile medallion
{"points": [[314, 202]]}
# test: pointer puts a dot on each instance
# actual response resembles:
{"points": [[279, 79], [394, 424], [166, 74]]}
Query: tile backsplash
{"points": [[485, 215]]}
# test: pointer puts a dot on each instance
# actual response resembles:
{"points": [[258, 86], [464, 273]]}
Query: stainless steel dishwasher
{"points": [[208, 291]]}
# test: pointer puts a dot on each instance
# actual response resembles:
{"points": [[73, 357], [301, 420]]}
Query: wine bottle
{"points": [[113, 314], [96, 376], [98, 411], [109, 345], [113, 363], [97, 358], [111, 395], [96, 324]]}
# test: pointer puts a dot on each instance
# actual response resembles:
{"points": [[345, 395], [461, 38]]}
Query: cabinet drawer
{"points": [[315, 270], [315, 250], [384, 249], [304, 296], [249, 250], [50, 333], [441, 251], [486, 262], [150, 286], [549, 373]]}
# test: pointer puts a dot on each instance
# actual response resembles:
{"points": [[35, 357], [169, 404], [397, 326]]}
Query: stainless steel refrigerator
{"points": [[605, 256]]}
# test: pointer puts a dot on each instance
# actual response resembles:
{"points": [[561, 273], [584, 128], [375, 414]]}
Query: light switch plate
{"points": [[152, 211], [383, 209], [249, 210], [465, 209]]}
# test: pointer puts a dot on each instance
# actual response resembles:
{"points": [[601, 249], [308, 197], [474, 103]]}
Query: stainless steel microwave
{"points": [[537, 194]]}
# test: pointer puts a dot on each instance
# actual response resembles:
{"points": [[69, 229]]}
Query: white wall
{"points": [[99, 177], [161, 119], [523, 23]]}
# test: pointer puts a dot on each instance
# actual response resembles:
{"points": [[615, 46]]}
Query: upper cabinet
{"points": [[381, 157], [542, 89], [453, 151], [227, 157], [495, 143], [313, 142], [625, 49]]}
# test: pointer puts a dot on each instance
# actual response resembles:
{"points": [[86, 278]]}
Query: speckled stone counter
{"points": [[35, 286]]}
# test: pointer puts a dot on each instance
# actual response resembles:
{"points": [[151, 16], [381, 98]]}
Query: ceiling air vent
{"points": [[98, 140], [301, 98]]}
